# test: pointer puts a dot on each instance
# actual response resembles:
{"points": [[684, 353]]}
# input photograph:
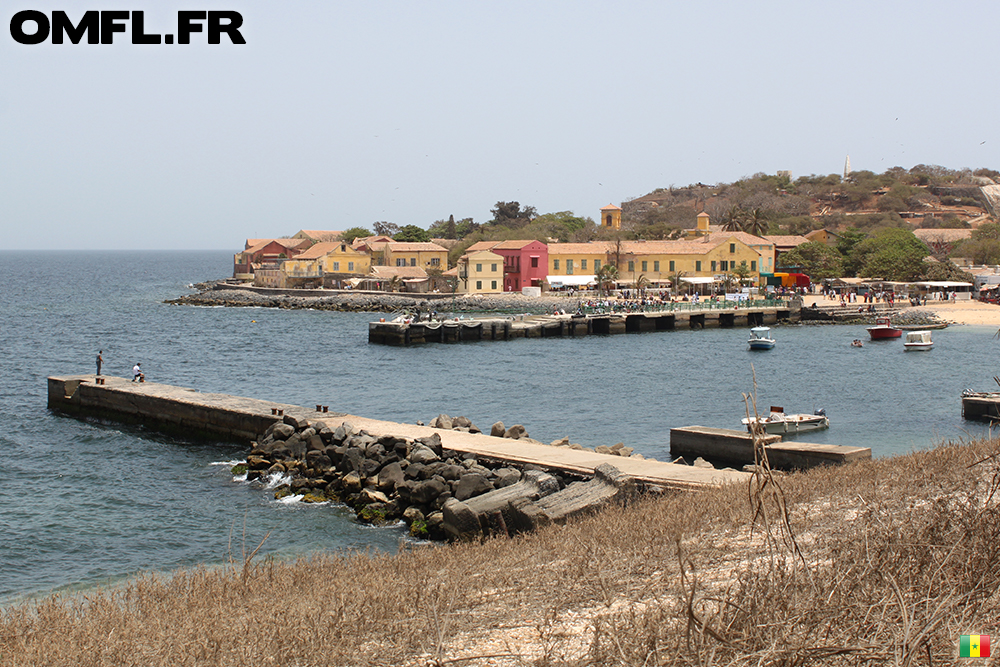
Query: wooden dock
{"points": [[721, 445], [191, 413], [689, 316]]}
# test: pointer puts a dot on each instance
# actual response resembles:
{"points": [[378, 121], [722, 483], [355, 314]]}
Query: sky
{"points": [[337, 114]]}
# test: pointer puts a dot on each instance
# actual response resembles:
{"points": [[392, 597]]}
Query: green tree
{"points": [[742, 273], [412, 234], [606, 277], [817, 260], [892, 254], [383, 228], [348, 235], [755, 222], [510, 214]]}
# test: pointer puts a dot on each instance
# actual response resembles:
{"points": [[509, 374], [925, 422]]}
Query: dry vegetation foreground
{"points": [[885, 562]]}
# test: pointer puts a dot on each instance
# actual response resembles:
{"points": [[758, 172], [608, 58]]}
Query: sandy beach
{"points": [[962, 312]]}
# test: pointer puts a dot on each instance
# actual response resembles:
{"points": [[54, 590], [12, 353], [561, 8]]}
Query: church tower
{"points": [[611, 217]]}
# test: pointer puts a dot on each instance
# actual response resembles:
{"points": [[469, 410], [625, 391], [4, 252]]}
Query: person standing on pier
{"points": [[100, 360]]}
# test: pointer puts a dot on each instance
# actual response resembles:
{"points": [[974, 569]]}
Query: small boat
{"points": [[883, 329], [918, 340], [777, 422], [760, 338]]}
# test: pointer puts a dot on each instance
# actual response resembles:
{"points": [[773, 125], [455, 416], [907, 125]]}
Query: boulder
{"points": [[411, 514], [389, 477], [413, 470], [343, 432], [352, 482], [295, 422], [372, 496], [461, 422], [506, 477], [472, 484], [562, 442], [442, 421], [603, 449], [702, 463], [282, 431], [432, 442], [516, 431], [422, 454], [425, 492], [497, 430]]}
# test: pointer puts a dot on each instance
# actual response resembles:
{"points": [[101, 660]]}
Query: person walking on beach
{"points": [[100, 360], [136, 372]]}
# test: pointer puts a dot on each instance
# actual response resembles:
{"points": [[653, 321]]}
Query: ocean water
{"points": [[84, 503]]}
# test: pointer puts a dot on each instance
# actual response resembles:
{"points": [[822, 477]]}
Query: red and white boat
{"points": [[883, 329]]}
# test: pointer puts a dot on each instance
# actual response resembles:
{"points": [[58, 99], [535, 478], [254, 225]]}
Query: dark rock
{"points": [[451, 471], [498, 430], [295, 422], [423, 454], [282, 431], [442, 421], [389, 476], [257, 463], [369, 467], [352, 482], [411, 514], [296, 447], [426, 491], [315, 443], [414, 470], [506, 477], [472, 484], [343, 432], [351, 460], [432, 442], [515, 432], [461, 422]]}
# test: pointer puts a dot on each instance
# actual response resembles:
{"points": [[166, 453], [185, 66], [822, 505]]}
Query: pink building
{"points": [[525, 263]]}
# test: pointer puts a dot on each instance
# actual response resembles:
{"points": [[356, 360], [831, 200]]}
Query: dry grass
{"points": [[883, 562]]}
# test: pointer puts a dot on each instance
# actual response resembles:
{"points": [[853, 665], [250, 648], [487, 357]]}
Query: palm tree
{"points": [[642, 281], [675, 280], [606, 277], [732, 220], [756, 222]]}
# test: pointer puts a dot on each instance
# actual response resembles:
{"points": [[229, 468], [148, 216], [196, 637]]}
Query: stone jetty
{"points": [[406, 331], [388, 471]]}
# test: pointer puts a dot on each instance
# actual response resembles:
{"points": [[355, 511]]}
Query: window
{"points": [[753, 265], [671, 265], [493, 268], [656, 265], [350, 266], [732, 247], [400, 261], [644, 266], [569, 267], [597, 265], [714, 264], [631, 266], [724, 265], [555, 265], [697, 265], [583, 264], [336, 266], [435, 261], [479, 268], [494, 284], [479, 284], [413, 261], [534, 262]]}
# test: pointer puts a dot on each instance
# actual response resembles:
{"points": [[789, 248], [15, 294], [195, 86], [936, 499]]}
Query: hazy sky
{"points": [[338, 114]]}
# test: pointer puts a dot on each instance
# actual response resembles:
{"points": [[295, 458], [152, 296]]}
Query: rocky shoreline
{"points": [[390, 478], [217, 294]]}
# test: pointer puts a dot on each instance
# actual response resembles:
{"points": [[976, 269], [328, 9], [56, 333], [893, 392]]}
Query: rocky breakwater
{"points": [[387, 479], [374, 302]]}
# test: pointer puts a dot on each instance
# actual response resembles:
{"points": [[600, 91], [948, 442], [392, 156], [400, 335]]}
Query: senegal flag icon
{"points": [[974, 646]]}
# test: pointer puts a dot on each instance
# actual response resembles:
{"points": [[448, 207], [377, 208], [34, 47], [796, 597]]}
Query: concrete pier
{"points": [[732, 447], [981, 406], [237, 419], [547, 326]]}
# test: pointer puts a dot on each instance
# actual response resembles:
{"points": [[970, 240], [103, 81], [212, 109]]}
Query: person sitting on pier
{"points": [[137, 375]]}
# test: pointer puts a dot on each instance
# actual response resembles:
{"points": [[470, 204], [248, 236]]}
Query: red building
{"points": [[525, 263], [265, 252]]}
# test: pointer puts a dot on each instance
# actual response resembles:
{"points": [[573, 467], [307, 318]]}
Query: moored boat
{"points": [[760, 338], [883, 329], [918, 340], [777, 422]]}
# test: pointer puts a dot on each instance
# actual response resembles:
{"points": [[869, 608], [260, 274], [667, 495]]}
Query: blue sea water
{"points": [[84, 503]]}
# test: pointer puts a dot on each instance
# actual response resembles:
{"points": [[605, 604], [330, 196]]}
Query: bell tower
{"points": [[611, 217]]}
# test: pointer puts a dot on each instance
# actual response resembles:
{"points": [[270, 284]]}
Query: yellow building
{"points": [[480, 273], [395, 253], [714, 256], [611, 217], [327, 264]]}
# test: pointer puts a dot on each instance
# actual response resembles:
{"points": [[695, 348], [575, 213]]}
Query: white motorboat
{"points": [[918, 340], [777, 422], [760, 338]]}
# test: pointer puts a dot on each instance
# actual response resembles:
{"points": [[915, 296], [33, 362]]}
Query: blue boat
{"points": [[760, 338]]}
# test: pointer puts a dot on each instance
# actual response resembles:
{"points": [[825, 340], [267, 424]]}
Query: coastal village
{"points": [[740, 253]]}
